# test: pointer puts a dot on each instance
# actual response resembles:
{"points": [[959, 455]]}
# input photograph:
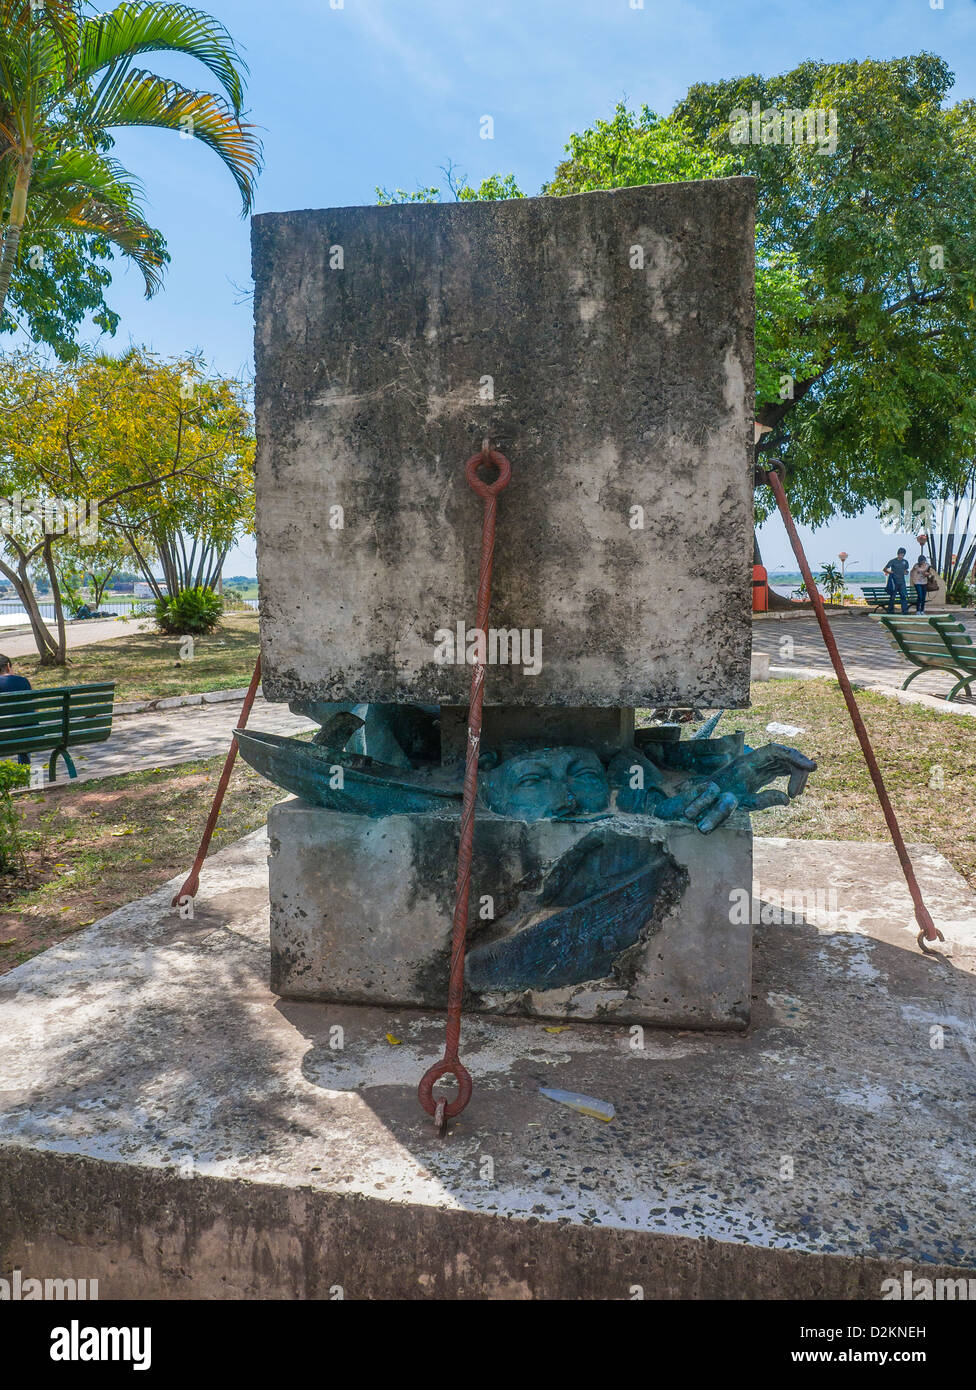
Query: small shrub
{"points": [[11, 851], [193, 611]]}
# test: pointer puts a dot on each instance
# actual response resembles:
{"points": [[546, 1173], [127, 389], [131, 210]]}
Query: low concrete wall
{"points": [[147, 1234]]}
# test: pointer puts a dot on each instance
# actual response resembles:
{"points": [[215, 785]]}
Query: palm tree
{"points": [[67, 81]]}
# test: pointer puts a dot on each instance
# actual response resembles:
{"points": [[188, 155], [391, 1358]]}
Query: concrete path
{"points": [[163, 737], [174, 1130], [19, 641], [863, 643]]}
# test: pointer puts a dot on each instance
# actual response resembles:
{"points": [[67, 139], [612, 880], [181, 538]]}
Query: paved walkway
{"points": [[140, 742], [864, 645], [161, 738], [19, 641]]}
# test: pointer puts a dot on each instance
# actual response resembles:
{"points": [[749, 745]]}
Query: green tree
{"points": [[832, 580], [879, 224], [196, 459], [641, 147], [632, 148], [66, 82], [87, 567], [491, 189], [60, 287], [158, 455]]}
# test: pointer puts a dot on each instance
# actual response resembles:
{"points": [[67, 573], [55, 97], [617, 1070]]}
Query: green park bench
{"points": [[42, 721], [879, 596], [936, 643]]}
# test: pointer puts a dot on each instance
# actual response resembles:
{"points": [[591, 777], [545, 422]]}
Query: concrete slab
{"points": [[171, 1129]]}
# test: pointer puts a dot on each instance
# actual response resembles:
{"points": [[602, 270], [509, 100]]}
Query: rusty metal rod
{"points": [[192, 884], [930, 931], [450, 1064]]}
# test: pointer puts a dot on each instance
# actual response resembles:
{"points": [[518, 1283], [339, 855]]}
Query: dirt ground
{"points": [[91, 849]]}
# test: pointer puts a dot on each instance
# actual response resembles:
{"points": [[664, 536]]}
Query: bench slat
{"points": [[55, 719], [9, 737], [937, 642]]}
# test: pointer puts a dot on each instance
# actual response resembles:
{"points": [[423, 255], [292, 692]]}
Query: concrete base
{"points": [[361, 912], [173, 1130]]}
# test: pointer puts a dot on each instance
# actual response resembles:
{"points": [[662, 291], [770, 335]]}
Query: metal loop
{"points": [[483, 489], [762, 471], [921, 939], [445, 1067]]}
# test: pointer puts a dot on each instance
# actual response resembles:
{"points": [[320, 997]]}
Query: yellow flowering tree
{"points": [[157, 453]]}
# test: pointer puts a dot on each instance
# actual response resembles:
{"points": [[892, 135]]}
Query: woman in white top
{"points": [[921, 572]]}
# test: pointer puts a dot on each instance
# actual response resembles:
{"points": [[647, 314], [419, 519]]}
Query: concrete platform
{"points": [[172, 1130]]}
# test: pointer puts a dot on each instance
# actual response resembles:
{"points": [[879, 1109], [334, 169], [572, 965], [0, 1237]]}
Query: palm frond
{"points": [[88, 213], [89, 193], [86, 168], [114, 39], [143, 99]]}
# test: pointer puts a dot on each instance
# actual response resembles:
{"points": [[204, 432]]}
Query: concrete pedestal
{"points": [[172, 1130], [361, 912]]}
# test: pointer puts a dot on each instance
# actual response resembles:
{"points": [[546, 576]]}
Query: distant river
{"points": [[786, 586], [13, 613]]}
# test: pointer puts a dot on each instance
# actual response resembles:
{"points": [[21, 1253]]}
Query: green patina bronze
{"points": [[601, 898], [699, 779]]}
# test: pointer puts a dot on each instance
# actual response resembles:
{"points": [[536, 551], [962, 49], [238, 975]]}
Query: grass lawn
{"points": [[147, 665], [93, 848], [102, 844], [916, 748]]}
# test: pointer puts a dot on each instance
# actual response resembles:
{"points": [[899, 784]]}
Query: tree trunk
{"points": [[99, 585], [15, 226], [60, 655], [43, 640]]}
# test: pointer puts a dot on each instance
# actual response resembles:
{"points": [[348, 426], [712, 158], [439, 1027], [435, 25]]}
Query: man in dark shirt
{"points": [[897, 572], [8, 681]]}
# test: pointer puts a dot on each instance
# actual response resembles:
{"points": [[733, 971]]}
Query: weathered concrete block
{"points": [[603, 343], [361, 912]]}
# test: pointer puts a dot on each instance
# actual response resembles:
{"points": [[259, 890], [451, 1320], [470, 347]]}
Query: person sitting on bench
{"points": [[10, 681]]}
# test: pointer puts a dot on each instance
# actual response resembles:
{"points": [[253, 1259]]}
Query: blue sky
{"points": [[386, 91]]}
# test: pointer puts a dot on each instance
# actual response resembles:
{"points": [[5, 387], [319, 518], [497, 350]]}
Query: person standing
{"points": [[921, 574], [897, 572]]}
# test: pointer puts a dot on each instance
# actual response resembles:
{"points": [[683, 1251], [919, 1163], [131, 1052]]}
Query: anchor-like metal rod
{"points": [[192, 883], [930, 931], [450, 1065]]}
